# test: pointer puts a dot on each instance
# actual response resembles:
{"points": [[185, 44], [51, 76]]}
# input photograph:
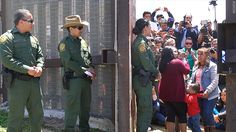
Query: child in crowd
{"points": [[182, 56], [193, 107], [220, 111], [159, 114]]}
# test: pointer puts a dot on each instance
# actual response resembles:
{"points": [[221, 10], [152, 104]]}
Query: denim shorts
{"points": [[178, 109]]}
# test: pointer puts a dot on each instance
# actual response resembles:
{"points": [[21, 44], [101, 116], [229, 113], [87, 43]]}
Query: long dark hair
{"points": [[220, 104], [167, 55], [139, 25]]}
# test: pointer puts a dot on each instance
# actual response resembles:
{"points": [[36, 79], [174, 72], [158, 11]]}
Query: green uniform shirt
{"points": [[19, 51], [75, 55], [142, 56]]}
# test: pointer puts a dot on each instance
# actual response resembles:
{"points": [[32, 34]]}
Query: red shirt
{"points": [[172, 87], [192, 102]]}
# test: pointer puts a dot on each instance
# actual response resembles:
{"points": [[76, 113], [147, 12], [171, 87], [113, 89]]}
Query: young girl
{"points": [[220, 111], [193, 107]]}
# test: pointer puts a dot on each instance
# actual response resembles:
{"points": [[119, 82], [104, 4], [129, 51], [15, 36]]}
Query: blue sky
{"points": [[200, 9]]}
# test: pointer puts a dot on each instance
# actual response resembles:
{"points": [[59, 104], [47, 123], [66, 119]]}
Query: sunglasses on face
{"points": [[28, 20], [188, 43], [79, 27]]}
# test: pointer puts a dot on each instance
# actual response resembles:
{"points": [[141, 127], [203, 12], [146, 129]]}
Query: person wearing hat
{"points": [[144, 71], [164, 25], [23, 61], [163, 32], [78, 74]]}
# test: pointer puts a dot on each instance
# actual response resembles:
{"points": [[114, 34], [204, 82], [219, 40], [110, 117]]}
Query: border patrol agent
{"points": [[144, 71], [78, 74], [22, 57]]}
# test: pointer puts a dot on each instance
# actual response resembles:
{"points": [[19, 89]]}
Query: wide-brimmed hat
{"points": [[74, 20]]}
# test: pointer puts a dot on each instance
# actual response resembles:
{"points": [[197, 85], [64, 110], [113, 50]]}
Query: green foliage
{"points": [[3, 119], [3, 122]]}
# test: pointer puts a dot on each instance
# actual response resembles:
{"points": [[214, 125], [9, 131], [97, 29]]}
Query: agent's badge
{"points": [[142, 48], [62, 47]]}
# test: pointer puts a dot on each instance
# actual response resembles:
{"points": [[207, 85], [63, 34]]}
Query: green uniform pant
{"points": [[21, 94], [78, 99], [144, 104]]}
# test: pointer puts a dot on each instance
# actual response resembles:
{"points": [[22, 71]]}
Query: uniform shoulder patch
{"points": [[33, 39], [84, 44], [3, 38], [142, 48], [62, 47]]}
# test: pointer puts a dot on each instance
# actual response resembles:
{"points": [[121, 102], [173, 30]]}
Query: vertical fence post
{"points": [[125, 19]]}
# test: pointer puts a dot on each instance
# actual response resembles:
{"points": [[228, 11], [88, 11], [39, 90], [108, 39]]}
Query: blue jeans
{"points": [[207, 107], [159, 118], [220, 126], [194, 123]]}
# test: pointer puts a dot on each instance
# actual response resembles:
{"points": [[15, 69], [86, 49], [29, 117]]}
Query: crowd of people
{"points": [[175, 74]]}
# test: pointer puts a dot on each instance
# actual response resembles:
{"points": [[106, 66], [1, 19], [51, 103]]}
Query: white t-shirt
{"points": [[153, 26]]}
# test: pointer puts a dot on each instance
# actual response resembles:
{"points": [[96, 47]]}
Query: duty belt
{"points": [[24, 77], [72, 75]]}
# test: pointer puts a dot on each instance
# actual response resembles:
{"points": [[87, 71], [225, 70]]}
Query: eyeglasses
{"points": [[188, 43], [29, 20]]}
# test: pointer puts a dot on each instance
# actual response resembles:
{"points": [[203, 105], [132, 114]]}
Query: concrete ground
{"points": [[157, 128]]}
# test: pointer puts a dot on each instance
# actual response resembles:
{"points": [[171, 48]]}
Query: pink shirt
{"points": [[198, 77]]}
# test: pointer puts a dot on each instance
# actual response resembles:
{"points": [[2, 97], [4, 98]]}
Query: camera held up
{"points": [[206, 37]]}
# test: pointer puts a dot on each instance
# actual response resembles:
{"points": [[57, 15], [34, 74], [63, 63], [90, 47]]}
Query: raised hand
{"points": [[159, 8], [166, 9]]}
